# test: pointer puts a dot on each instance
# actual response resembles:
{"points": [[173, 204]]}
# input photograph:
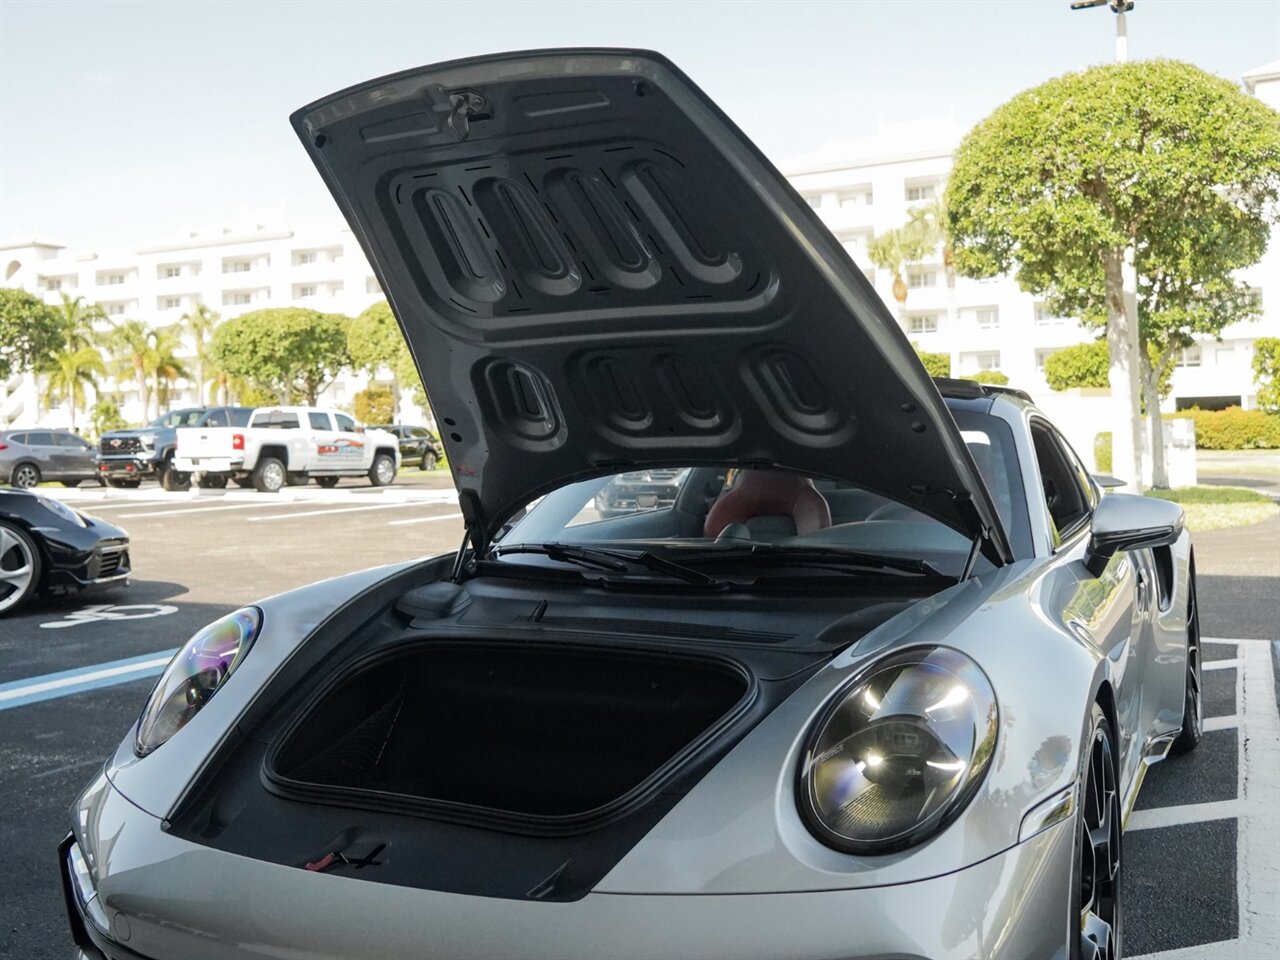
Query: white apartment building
{"points": [[859, 189], [231, 270]]}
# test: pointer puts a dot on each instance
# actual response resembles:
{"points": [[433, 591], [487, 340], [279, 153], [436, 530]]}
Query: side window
{"points": [[345, 422], [216, 419], [1069, 506], [240, 416], [318, 420], [67, 440], [39, 439], [19, 438], [420, 432]]}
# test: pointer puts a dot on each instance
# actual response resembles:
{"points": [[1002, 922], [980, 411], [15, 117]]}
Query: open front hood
{"points": [[596, 270]]}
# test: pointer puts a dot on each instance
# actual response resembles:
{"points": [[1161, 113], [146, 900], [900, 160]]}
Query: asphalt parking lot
{"points": [[1201, 855]]}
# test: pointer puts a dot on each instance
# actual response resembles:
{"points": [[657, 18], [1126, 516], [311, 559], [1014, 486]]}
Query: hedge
{"points": [[1233, 428]]}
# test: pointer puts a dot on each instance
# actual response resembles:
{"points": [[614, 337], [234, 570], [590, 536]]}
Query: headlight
{"points": [[898, 752], [147, 439], [194, 675], [62, 510]]}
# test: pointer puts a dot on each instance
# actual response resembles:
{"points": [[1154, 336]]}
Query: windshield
{"points": [[687, 513], [178, 418]]}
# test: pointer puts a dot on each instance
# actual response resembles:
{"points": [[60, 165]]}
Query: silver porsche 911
{"points": [[877, 672]]}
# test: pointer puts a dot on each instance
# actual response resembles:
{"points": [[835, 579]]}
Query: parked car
{"points": [[127, 457], [882, 680], [288, 445], [47, 547], [653, 489], [29, 457], [417, 444]]}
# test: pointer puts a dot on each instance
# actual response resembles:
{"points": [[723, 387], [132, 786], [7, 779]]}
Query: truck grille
{"points": [[119, 446]]}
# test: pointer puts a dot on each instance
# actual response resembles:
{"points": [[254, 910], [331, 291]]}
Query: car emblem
{"points": [[115, 443]]}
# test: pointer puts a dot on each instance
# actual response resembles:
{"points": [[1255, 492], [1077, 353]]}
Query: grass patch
{"points": [[1216, 508]]}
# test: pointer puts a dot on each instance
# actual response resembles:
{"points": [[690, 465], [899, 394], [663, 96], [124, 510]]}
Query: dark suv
{"points": [[417, 445], [127, 457]]}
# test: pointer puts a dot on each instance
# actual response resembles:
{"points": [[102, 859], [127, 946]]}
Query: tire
{"points": [[25, 476], [297, 479], [327, 482], [382, 471], [20, 566], [124, 484], [174, 480], [217, 483], [71, 483], [268, 475], [1096, 874], [245, 482], [1192, 697], [428, 460]]}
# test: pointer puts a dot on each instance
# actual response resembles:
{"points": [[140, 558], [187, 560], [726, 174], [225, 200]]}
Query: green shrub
{"points": [[1233, 428], [1084, 365], [1266, 372], [991, 376], [935, 364], [1102, 452]]}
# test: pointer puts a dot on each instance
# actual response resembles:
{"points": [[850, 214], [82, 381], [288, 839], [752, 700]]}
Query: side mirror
{"points": [[1125, 521]]}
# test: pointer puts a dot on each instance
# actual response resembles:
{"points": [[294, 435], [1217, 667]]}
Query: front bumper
{"points": [[149, 894], [126, 467]]}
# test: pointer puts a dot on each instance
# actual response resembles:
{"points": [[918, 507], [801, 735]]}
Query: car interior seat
{"points": [[768, 505]]}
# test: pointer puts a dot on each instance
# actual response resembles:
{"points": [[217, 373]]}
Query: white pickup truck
{"points": [[289, 445]]}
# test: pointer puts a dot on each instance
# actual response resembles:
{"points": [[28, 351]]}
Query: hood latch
{"points": [[467, 106]]}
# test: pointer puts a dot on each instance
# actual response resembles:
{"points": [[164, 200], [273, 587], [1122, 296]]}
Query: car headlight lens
{"points": [[147, 439], [899, 751], [62, 510], [194, 675]]}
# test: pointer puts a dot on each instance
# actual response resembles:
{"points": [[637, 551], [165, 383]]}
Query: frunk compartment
{"points": [[527, 733]]}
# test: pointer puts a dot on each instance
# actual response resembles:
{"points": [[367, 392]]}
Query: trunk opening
{"points": [[530, 734]]}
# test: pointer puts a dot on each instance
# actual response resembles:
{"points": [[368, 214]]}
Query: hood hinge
{"points": [[476, 531]]}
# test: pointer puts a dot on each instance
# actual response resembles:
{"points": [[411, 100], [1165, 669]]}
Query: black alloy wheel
{"points": [[1098, 845], [1193, 699]]}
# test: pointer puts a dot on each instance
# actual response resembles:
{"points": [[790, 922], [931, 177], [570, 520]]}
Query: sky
{"points": [[122, 123]]}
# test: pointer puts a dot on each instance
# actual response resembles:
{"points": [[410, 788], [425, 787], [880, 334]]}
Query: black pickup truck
{"points": [[127, 457]]}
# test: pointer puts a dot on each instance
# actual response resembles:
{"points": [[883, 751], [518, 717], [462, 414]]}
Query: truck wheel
{"points": [[383, 470], [429, 460], [298, 478], [327, 482], [26, 476], [214, 483], [269, 475], [173, 480]]}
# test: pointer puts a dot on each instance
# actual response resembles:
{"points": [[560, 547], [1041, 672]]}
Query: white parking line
{"points": [[225, 506], [443, 516], [1220, 723], [1185, 813], [325, 513]]}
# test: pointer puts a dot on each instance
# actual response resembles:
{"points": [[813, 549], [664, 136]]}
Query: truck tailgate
{"points": [[209, 443]]}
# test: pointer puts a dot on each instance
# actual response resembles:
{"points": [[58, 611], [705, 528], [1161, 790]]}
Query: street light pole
{"points": [[1119, 8]]}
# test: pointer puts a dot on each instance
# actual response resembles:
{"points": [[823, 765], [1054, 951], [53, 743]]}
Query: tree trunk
{"points": [[1121, 278], [1155, 423]]}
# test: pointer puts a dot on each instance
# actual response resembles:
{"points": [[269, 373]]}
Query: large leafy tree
{"points": [[30, 332], [292, 351], [375, 341], [1266, 372], [1087, 182]]}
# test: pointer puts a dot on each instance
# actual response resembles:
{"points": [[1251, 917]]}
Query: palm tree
{"points": [[129, 342], [894, 249], [201, 322], [69, 373], [931, 221], [77, 319], [162, 362]]}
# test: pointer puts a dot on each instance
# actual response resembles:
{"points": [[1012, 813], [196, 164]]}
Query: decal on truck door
{"points": [[341, 450]]}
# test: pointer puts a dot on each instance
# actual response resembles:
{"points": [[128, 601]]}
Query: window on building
{"points": [[303, 257], [921, 279], [870, 274], [1224, 356], [236, 266], [813, 199], [988, 318], [855, 245], [1043, 354], [920, 191], [1189, 356], [110, 279], [52, 283], [371, 285], [306, 290], [237, 298], [170, 303], [986, 361], [113, 309], [1045, 318], [169, 271], [923, 323]]}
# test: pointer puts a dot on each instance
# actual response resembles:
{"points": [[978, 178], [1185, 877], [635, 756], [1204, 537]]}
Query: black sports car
{"points": [[46, 547]]}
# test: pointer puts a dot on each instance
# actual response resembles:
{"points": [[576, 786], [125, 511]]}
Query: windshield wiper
{"points": [[616, 560], [778, 555]]}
